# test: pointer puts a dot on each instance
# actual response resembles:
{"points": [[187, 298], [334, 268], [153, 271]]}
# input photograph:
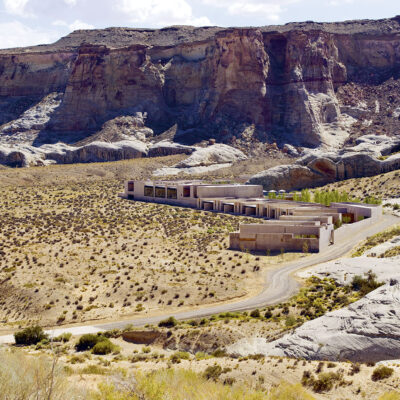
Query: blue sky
{"points": [[28, 22]]}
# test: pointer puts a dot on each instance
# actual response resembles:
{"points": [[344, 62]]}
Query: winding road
{"points": [[279, 286]]}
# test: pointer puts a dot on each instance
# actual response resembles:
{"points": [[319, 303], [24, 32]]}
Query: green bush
{"points": [[64, 337], [88, 341], [168, 323], [212, 372], [268, 314], [381, 372], [255, 313], [30, 335], [104, 347], [365, 285], [178, 356]]}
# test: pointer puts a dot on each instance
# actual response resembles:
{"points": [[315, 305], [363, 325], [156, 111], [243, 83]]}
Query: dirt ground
{"points": [[262, 373], [383, 186], [72, 251]]}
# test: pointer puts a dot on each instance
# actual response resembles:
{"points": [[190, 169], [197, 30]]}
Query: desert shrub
{"points": [[168, 323], [324, 381], [355, 368], [26, 377], [285, 391], [113, 333], [30, 335], [64, 337], [390, 396], [255, 313], [178, 356], [381, 372], [268, 314], [219, 353], [88, 341], [365, 285], [163, 384], [93, 370], [104, 347], [212, 372]]}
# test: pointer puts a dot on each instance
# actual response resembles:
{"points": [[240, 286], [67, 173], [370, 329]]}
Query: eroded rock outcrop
{"points": [[317, 168], [248, 85], [366, 331], [205, 159]]}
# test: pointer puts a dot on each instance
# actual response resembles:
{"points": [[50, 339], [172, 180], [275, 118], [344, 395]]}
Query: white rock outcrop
{"points": [[367, 330], [215, 154], [204, 159]]}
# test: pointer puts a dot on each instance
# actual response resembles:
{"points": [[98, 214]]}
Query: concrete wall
{"points": [[244, 191], [272, 242], [347, 230], [361, 210], [277, 235]]}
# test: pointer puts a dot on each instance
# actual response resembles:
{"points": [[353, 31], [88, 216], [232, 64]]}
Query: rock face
{"points": [[317, 168], [280, 83], [26, 155], [368, 330], [204, 159]]}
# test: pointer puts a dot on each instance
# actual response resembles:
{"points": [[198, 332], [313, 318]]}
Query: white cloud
{"points": [[16, 34], [160, 12], [77, 24], [270, 9], [71, 2], [15, 7]]}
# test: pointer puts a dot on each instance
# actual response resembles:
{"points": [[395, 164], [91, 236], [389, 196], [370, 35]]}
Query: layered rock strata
{"points": [[268, 84]]}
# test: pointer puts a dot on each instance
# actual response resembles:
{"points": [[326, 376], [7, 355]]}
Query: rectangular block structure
{"points": [[288, 225]]}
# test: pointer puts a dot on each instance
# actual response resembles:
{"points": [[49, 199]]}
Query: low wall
{"points": [[347, 230], [272, 242], [172, 202]]}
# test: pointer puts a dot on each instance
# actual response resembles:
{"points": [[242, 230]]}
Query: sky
{"points": [[29, 22]]}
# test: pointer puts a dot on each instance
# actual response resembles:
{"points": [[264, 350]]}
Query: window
{"points": [[160, 192], [172, 193], [149, 191], [131, 186], [186, 191]]}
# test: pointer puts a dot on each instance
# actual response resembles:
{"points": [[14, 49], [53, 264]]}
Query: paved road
{"points": [[279, 286]]}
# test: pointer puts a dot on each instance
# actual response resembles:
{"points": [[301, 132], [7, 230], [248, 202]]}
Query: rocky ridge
{"points": [[372, 155], [247, 87]]}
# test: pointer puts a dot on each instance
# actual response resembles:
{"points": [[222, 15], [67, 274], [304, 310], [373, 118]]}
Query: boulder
{"points": [[317, 168], [288, 177], [167, 148], [215, 154]]}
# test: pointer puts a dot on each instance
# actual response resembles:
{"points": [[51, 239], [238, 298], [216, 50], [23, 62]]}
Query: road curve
{"points": [[279, 286], [279, 283]]}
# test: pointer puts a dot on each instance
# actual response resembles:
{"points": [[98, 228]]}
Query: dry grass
{"points": [[72, 251], [380, 186]]}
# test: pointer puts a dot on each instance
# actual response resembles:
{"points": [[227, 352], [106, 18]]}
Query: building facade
{"points": [[288, 225]]}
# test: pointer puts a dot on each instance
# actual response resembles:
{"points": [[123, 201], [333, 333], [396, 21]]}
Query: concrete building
{"points": [[288, 225]]}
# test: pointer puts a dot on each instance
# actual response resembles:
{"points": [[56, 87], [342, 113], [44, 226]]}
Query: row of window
{"points": [[160, 192]]}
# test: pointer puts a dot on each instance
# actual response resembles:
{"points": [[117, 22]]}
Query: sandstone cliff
{"points": [[242, 86]]}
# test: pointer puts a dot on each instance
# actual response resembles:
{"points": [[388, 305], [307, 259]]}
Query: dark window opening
{"points": [[186, 191], [149, 191], [131, 186], [172, 193], [160, 192]]}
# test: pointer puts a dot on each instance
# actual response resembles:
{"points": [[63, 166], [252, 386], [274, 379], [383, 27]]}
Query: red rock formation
{"points": [[280, 81]]}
